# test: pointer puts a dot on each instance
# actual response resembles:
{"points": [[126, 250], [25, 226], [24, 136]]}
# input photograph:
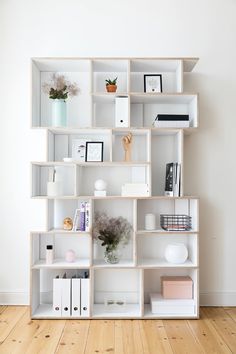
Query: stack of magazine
{"points": [[82, 217], [171, 121], [172, 183]]}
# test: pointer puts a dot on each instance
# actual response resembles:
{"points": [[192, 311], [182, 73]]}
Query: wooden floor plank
{"points": [[224, 325], [38, 336], [101, 337], [47, 337], [9, 318], [231, 311], [208, 337], [127, 337], [154, 337], [74, 337], [2, 308], [181, 339]]}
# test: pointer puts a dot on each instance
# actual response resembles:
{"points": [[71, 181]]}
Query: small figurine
{"points": [[67, 224], [127, 142]]}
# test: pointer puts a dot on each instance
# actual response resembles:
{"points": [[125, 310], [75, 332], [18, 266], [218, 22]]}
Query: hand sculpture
{"points": [[127, 142]]}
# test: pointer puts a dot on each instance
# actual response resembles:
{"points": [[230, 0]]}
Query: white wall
{"points": [[122, 28]]}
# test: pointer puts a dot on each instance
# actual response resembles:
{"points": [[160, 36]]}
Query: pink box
{"points": [[177, 287]]}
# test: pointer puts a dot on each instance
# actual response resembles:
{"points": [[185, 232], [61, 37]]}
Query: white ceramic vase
{"points": [[176, 253]]}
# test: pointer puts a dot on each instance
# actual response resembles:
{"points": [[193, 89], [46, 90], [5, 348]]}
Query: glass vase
{"points": [[112, 256], [59, 113]]}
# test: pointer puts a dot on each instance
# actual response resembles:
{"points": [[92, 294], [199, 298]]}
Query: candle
{"points": [[150, 222]]}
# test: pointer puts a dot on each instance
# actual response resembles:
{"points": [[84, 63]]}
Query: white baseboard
{"points": [[17, 298], [218, 299], [206, 299]]}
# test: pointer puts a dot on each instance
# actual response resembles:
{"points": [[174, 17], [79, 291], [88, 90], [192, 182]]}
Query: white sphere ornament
{"points": [[100, 185], [176, 253]]}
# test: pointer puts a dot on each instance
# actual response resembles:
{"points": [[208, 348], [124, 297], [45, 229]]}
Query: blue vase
{"points": [[59, 113]]}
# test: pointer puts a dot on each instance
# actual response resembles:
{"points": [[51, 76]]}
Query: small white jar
{"points": [[49, 254], [150, 222]]}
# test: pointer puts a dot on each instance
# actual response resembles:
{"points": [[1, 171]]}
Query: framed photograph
{"points": [[153, 83], [78, 149], [94, 151]]}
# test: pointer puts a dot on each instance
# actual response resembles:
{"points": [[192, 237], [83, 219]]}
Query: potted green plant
{"points": [[113, 233], [59, 89], [111, 85]]}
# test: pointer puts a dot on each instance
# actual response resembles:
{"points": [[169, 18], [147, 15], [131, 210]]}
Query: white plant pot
{"points": [[176, 253]]}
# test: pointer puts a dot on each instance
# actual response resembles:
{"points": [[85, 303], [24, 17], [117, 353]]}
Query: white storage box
{"points": [[181, 307]]}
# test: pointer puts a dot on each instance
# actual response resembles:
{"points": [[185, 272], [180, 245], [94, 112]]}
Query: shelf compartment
{"points": [[152, 284], [104, 69], [165, 149], [42, 290], [62, 144], [104, 106], [140, 149], [64, 173], [151, 250], [171, 71], [81, 244], [115, 208], [59, 209], [117, 284], [188, 206], [116, 175], [78, 107], [145, 107]]}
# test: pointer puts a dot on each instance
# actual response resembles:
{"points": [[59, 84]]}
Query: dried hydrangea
{"points": [[111, 231], [59, 87]]}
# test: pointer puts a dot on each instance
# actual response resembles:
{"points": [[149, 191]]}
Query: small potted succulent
{"points": [[111, 85], [113, 233], [59, 89]]}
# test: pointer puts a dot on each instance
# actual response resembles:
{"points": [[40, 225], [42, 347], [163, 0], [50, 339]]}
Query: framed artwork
{"points": [[94, 151], [78, 149], [153, 83]]}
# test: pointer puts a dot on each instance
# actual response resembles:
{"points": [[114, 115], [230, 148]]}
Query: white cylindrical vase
{"points": [[54, 189], [59, 113], [150, 222], [176, 253]]}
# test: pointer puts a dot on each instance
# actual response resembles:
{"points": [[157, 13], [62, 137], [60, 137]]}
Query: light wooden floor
{"points": [[215, 332]]}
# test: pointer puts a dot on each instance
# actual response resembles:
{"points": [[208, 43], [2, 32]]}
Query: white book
{"points": [[171, 123], [56, 302], [161, 306], [75, 297], [85, 297], [76, 220], [66, 297]]}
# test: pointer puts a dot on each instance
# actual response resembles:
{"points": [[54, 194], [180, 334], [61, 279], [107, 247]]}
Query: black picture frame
{"points": [[149, 76], [97, 156]]}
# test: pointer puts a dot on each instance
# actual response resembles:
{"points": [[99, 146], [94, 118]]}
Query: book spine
{"points": [[87, 216], [75, 221], [82, 217]]}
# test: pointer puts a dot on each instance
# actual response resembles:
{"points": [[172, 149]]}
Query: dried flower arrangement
{"points": [[59, 87], [111, 231]]}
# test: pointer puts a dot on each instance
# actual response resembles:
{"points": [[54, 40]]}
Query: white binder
{"points": [[85, 307], [57, 297], [75, 297], [66, 297], [122, 111]]}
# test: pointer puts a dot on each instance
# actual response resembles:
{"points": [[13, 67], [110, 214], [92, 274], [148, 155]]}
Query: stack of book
{"points": [[82, 217], [172, 183], [171, 121]]}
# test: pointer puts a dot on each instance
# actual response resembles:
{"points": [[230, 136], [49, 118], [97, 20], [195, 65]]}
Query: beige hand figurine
{"points": [[127, 142]]}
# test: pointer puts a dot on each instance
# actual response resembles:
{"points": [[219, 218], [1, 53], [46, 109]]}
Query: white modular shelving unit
{"points": [[91, 116]]}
